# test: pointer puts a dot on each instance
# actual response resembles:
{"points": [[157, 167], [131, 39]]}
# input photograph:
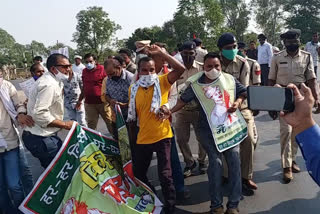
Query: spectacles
{"points": [[65, 66]]}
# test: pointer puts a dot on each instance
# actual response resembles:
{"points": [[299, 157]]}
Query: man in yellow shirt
{"points": [[146, 105]]}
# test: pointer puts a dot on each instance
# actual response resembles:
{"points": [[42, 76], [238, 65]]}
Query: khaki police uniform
{"points": [[240, 69], [200, 54], [187, 116], [284, 70], [255, 72]]}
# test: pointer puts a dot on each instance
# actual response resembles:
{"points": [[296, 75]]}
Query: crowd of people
{"points": [[161, 95]]}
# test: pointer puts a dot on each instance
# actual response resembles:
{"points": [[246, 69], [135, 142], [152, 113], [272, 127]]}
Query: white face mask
{"points": [[147, 80], [61, 76], [212, 74]]}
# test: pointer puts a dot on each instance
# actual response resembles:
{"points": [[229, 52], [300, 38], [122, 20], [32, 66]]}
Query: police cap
{"points": [[291, 34], [241, 45], [188, 45], [226, 39]]}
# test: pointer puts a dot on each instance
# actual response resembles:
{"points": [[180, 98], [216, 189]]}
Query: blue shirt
{"points": [[309, 143]]}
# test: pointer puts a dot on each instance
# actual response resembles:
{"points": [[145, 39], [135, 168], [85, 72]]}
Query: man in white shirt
{"points": [[78, 66], [313, 48], [265, 54], [46, 107], [199, 50]]}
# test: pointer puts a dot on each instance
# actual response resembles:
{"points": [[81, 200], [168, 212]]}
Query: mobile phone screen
{"points": [[266, 98]]}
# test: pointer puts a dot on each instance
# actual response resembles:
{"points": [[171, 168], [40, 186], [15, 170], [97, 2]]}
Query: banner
{"points": [[91, 174], [64, 51]]}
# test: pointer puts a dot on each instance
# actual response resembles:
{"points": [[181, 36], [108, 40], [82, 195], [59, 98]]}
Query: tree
{"points": [[199, 18], [237, 16], [270, 18], [303, 15], [153, 33], [37, 49], [94, 31], [7, 43]]}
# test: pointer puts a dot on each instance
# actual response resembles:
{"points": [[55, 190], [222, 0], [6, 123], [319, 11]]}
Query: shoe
{"points": [[287, 175], [188, 169], [246, 191], [249, 183], [181, 196], [203, 168], [295, 167], [218, 210], [232, 211]]}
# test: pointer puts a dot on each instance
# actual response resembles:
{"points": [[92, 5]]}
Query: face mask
{"points": [[292, 48], [35, 77], [212, 74], [188, 59], [90, 66], [147, 80], [115, 78], [230, 54], [60, 76], [240, 54]]}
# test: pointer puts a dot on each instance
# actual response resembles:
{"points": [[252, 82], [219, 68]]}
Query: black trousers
{"points": [[264, 74], [143, 157]]}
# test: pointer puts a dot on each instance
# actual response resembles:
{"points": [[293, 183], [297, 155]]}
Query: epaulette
{"points": [[199, 63], [305, 52], [280, 52], [241, 58]]}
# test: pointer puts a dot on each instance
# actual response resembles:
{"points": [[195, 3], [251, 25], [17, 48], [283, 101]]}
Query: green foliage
{"points": [[303, 15], [94, 31], [248, 37], [153, 33], [237, 14], [270, 18]]}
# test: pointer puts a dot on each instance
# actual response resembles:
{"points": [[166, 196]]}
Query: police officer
{"points": [[239, 67], [190, 113], [291, 65]]}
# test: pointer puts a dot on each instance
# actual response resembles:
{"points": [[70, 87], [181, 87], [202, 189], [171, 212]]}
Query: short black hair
{"points": [[252, 42], [161, 45], [37, 58], [33, 67], [125, 51], [119, 59], [53, 60], [211, 55], [144, 59], [88, 55], [314, 33]]}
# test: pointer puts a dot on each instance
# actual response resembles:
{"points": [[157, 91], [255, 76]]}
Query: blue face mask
{"points": [[35, 77], [90, 66], [230, 54]]}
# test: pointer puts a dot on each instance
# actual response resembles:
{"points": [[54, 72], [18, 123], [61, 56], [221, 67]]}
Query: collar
{"points": [[124, 74], [297, 55]]}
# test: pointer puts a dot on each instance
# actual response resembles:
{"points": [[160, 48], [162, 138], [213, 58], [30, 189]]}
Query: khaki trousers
{"points": [[92, 116], [289, 147], [182, 129], [247, 147]]}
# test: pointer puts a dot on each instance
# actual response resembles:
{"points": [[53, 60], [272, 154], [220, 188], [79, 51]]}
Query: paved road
{"points": [[300, 196]]}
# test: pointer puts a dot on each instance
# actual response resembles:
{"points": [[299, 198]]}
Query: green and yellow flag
{"points": [[91, 174]]}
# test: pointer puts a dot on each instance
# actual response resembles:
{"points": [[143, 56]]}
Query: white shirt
{"points": [[178, 57], [265, 54], [45, 104], [312, 48], [78, 68]]}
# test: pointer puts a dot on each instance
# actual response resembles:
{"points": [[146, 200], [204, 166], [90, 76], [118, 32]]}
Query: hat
{"points": [[241, 45], [226, 39], [197, 41], [77, 57], [262, 36], [140, 45], [274, 48], [188, 45], [291, 34]]}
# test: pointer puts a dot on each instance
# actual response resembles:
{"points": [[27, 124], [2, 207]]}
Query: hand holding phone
{"points": [[266, 98]]}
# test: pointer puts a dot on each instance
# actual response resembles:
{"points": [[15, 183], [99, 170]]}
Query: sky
{"points": [[47, 21]]}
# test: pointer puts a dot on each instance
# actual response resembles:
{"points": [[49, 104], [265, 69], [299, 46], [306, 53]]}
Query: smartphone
{"points": [[266, 98]]}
